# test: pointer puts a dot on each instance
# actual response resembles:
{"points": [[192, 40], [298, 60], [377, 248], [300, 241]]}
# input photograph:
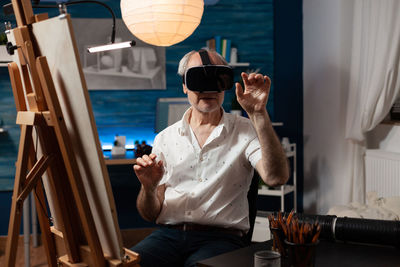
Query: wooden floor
{"points": [[38, 257]]}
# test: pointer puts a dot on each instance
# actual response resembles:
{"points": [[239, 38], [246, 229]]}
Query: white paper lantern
{"points": [[162, 22]]}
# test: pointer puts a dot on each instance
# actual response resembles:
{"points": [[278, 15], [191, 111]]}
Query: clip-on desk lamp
{"points": [[63, 10]]}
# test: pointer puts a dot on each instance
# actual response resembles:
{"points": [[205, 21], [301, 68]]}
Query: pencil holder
{"points": [[301, 255], [278, 238]]}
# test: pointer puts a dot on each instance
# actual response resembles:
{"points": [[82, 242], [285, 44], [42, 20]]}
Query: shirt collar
{"points": [[184, 129]]}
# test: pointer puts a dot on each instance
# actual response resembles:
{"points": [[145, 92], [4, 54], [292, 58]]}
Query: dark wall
{"points": [[5, 207], [288, 73], [10, 137]]}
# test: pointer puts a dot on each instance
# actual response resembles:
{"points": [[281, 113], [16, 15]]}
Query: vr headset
{"points": [[208, 78]]}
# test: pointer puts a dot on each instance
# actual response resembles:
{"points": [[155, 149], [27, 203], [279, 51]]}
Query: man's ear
{"points": [[184, 89]]}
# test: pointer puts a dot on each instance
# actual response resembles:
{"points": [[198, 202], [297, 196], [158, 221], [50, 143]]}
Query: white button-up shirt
{"points": [[208, 185]]}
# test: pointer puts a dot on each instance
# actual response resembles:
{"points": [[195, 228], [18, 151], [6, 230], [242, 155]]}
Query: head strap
{"points": [[205, 59]]}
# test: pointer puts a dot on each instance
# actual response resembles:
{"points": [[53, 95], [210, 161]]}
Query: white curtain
{"points": [[374, 79]]}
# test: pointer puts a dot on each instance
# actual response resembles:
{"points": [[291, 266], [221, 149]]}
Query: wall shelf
{"points": [[277, 124], [277, 191], [240, 64], [120, 161], [391, 122]]}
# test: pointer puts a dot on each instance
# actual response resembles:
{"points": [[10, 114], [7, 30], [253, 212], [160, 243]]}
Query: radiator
{"points": [[382, 172]]}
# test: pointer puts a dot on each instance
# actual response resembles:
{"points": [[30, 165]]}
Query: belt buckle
{"points": [[184, 227]]}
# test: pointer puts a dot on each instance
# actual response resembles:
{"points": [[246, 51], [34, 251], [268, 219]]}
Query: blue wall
{"points": [[10, 138], [249, 24]]}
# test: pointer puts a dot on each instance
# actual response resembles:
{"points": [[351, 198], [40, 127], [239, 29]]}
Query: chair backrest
{"points": [[252, 199]]}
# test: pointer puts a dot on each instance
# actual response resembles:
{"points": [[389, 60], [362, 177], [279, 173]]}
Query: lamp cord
{"points": [[85, 2]]}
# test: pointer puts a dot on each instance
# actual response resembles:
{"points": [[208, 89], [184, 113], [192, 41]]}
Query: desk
{"points": [[128, 159], [328, 254], [120, 161]]}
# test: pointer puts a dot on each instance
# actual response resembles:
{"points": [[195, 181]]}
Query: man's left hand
{"points": [[254, 97]]}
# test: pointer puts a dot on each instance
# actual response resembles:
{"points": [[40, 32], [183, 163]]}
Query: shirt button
{"points": [[200, 180]]}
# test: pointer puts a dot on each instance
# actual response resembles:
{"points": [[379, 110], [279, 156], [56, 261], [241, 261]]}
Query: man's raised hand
{"points": [[254, 97]]}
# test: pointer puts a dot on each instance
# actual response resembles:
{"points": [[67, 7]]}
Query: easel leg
{"points": [[16, 206], [27, 231]]}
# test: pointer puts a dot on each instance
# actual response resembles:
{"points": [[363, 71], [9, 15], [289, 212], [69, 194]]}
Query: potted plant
{"points": [[4, 56]]}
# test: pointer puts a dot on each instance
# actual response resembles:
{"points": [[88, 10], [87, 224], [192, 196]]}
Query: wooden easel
{"points": [[76, 241]]}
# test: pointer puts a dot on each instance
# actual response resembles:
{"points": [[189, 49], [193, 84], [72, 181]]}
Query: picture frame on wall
{"points": [[140, 67]]}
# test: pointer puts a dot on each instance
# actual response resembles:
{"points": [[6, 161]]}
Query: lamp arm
{"points": [[82, 2], [104, 5], [44, 6]]}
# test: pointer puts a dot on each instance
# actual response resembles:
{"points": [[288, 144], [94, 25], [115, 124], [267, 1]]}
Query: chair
{"points": [[252, 199]]}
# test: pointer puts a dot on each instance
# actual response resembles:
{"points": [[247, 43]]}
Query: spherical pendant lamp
{"points": [[162, 22]]}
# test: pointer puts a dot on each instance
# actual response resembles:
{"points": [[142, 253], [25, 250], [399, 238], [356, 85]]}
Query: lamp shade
{"points": [[162, 22]]}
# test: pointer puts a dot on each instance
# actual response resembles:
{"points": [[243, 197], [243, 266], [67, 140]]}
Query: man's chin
{"points": [[208, 99], [207, 108]]}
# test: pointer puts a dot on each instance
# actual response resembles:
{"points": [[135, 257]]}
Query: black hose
{"points": [[368, 231], [382, 232]]}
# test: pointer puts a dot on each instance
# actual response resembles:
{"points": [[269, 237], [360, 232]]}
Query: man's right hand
{"points": [[149, 171]]}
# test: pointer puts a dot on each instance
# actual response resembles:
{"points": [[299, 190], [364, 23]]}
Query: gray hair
{"points": [[185, 60]]}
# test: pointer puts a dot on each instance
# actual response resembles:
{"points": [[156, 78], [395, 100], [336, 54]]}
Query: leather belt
{"points": [[204, 228]]}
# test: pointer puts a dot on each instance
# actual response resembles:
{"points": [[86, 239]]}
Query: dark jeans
{"points": [[172, 247]]}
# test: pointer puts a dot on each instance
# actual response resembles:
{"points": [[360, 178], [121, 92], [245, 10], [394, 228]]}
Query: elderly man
{"points": [[195, 182]]}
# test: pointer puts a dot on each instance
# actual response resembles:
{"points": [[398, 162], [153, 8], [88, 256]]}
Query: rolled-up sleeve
{"points": [[253, 151]]}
